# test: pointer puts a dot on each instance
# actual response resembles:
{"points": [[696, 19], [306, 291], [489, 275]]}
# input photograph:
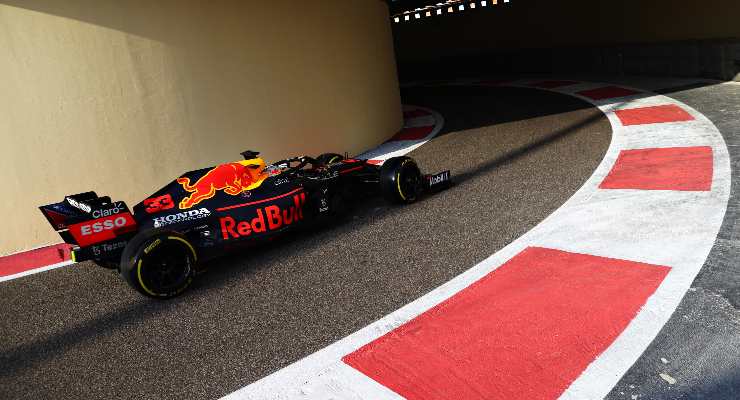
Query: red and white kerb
{"points": [[566, 309]]}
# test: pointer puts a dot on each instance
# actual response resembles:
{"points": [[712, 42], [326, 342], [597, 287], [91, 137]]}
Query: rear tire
{"points": [[158, 263], [400, 180]]}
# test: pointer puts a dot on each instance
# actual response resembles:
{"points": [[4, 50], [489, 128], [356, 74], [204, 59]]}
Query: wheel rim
{"points": [[166, 269], [410, 181]]}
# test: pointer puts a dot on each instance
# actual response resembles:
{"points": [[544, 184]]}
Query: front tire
{"points": [[400, 180], [159, 264]]}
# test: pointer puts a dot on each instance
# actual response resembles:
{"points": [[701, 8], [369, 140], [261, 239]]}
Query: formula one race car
{"points": [[158, 249]]}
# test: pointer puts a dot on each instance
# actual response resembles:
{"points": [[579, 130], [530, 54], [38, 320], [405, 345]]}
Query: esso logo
{"points": [[103, 229], [103, 226]]}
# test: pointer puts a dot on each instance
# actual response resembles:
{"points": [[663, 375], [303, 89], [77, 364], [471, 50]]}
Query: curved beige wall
{"points": [[122, 96]]}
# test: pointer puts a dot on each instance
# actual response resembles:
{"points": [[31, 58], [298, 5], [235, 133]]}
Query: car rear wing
{"points": [[85, 219]]}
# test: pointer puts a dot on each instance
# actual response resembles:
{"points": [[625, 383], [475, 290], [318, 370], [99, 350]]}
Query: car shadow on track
{"points": [[38, 351]]}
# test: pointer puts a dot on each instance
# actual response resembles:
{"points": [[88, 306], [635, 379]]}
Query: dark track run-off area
{"points": [[79, 332]]}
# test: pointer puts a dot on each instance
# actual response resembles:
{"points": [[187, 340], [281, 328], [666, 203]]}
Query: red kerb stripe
{"points": [[653, 115], [32, 259], [671, 168], [525, 331]]}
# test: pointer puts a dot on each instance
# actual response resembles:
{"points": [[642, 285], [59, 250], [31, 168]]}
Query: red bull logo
{"points": [[268, 218], [233, 178]]}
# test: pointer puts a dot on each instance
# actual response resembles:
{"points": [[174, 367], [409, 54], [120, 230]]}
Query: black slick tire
{"points": [[159, 263], [400, 180]]}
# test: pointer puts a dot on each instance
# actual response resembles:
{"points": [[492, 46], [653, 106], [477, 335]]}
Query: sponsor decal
{"points": [[152, 246], [56, 215], [439, 178], [107, 247], [60, 207], [181, 217], [113, 208], [80, 206], [157, 204], [324, 207], [268, 218], [102, 225], [232, 178], [280, 181], [102, 229]]}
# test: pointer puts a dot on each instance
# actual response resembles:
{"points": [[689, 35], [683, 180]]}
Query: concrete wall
{"points": [[122, 96], [530, 34]]}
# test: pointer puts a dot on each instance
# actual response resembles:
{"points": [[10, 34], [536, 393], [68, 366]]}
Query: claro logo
{"points": [[115, 208], [267, 219]]}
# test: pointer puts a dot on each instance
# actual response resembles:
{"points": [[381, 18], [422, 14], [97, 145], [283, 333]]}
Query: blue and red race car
{"points": [[159, 247]]}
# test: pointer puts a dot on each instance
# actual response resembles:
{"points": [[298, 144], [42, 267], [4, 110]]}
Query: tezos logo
{"points": [[107, 247], [181, 217]]}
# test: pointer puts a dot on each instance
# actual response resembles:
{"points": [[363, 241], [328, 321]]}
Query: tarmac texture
{"points": [[516, 155]]}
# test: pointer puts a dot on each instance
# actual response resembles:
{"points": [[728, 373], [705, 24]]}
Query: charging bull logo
{"points": [[233, 178]]}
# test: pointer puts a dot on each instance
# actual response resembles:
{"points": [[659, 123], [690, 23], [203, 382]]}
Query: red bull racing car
{"points": [[159, 246]]}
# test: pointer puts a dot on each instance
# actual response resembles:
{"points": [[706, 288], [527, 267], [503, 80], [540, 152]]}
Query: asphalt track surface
{"points": [[80, 332]]}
